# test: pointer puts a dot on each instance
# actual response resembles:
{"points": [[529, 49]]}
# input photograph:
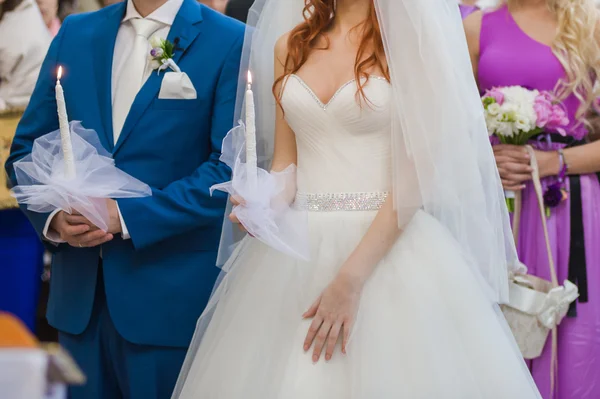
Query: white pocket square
{"points": [[177, 86]]}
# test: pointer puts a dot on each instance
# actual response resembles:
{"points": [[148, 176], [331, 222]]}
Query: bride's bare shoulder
{"points": [[281, 48]]}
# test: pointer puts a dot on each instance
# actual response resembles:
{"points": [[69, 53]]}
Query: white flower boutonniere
{"points": [[161, 55]]}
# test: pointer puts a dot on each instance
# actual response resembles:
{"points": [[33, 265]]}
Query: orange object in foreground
{"points": [[14, 334]]}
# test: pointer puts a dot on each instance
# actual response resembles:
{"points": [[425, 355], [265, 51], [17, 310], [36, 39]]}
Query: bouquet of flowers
{"points": [[515, 114]]}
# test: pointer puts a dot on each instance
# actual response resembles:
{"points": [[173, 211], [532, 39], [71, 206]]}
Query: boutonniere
{"points": [[161, 55]]}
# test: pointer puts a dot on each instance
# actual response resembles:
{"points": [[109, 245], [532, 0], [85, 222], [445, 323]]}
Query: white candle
{"points": [[65, 133], [251, 160]]}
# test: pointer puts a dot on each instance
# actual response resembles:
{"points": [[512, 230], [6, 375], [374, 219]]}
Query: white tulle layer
{"points": [[266, 196], [425, 329], [42, 185]]}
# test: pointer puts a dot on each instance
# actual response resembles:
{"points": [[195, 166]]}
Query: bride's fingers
{"points": [[312, 311], [233, 218], [347, 327], [334, 334], [312, 332], [235, 200], [321, 339]]}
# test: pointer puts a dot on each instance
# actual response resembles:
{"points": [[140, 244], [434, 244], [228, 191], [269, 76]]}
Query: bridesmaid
{"points": [[467, 9], [551, 45]]}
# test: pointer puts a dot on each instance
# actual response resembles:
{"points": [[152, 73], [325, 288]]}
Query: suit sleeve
{"points": [[186, 204], [39, 118]]}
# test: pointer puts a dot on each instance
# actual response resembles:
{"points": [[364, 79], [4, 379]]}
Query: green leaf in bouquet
{"points": [[487, 101], [510, 204], [520, 138]]}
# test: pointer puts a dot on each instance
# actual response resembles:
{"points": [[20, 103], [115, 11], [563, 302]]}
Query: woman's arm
{"points": [[334, 312], [284, 153], [379, 238], [580, 160], [472, 25]]}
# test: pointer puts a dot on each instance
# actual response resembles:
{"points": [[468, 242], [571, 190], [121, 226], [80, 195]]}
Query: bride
{"points": [[409, 240]]}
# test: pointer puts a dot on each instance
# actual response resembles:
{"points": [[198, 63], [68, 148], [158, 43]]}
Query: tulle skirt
{"points": [[424, 330]]}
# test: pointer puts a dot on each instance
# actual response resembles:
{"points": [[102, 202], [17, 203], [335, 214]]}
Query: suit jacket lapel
{"points": [[184, 31], [104, 45]]}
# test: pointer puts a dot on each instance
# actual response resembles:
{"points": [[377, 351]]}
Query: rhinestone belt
{"points": [[329, 202]]}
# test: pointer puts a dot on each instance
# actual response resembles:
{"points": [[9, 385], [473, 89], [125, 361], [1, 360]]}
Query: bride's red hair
{"points": [[318, 18]]}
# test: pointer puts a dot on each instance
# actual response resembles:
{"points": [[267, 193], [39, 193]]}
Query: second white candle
{"points": [[251, 158]]}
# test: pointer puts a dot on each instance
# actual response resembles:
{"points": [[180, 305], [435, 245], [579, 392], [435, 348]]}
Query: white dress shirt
{"points": [[165, 16], [24, 41]]}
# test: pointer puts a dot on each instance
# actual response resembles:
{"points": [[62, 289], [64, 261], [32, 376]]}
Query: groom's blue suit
{"points": [[131, 338]]}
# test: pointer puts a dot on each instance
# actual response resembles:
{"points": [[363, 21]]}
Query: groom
{"points": [[126, 301]]}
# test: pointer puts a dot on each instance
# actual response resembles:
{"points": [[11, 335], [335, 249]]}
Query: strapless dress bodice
{"points": [[344, 146]]}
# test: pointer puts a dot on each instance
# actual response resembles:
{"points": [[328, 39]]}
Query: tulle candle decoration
{"points": [[47, 179], [65, 133], [267, 196], [251, 160]]}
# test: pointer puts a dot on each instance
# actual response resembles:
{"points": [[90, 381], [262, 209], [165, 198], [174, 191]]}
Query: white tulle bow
{"points": [[43, 188], [265, 208], [556, 305]]}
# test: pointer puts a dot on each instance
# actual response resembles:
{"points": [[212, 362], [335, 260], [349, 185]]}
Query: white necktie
{"points": [[132, 76]]}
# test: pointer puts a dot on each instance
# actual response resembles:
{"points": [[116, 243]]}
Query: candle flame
{"points": [[59, 74], [249, 77]]}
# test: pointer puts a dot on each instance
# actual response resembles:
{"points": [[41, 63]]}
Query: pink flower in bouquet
{"points": [[558, 119], [496, 95], [550, 115], [543, 108]]}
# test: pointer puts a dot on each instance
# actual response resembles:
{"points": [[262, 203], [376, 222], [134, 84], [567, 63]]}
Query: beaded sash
{"points": [[332, 202]]}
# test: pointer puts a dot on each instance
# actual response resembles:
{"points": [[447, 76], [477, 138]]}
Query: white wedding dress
{"points": [[424, 330]]}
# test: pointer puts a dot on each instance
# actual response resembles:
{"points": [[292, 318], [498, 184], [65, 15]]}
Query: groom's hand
{"points": [[114, 222], [77, 231]]}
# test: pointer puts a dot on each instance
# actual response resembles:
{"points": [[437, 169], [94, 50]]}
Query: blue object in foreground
{"points": [[21, 264]]}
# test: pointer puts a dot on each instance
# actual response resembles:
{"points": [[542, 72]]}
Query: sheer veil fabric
{"points": [[440, 134]]}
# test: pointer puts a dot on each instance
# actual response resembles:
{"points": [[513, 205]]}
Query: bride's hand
{"points": [[333, 314], [232, 217]]}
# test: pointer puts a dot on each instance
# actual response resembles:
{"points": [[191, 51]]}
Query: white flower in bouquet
{"points": [[494, 109], [505, 129], [523, 124]]}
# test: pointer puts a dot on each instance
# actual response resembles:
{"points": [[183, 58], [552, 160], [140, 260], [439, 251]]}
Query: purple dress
{"points": [[466, 10], [508, 56]]}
